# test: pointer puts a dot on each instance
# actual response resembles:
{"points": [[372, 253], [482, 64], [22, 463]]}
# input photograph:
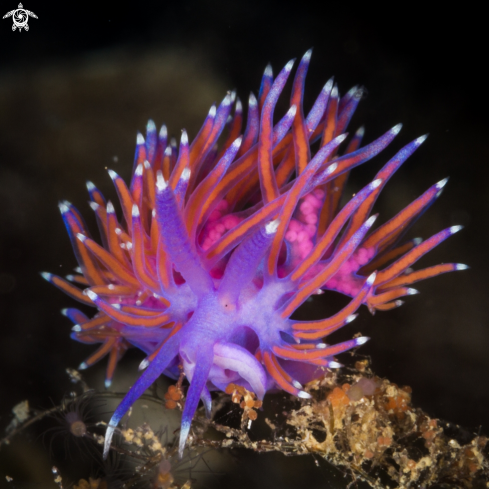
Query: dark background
{"points": [[76, 88]]}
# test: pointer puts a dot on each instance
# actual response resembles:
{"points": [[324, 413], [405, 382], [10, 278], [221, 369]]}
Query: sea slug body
{"points": [[218, 246]]}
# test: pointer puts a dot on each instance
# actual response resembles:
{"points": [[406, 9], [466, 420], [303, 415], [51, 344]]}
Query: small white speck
{"points": [[111, 286], [138, 303]]}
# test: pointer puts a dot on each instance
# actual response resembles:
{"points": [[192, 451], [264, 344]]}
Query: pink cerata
{"points": [[219, 244]]}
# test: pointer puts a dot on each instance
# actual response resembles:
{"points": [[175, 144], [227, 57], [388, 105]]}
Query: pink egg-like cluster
{"points": [[219, 222]]}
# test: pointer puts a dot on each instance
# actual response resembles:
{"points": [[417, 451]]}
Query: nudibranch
{"points": [[222, 239]]}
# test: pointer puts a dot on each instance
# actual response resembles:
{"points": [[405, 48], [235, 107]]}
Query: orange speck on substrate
{"points": [[338, 398], [429, 435], [170, 404], [411, 465], [346, 387], [384, 441], [230, 389], [252, 415], [369, 454]]}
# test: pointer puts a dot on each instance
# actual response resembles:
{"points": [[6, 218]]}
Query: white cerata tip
{"points": [[396, 129], [92, 295], [163, 132], [334, 365], [455, 229], [362, 340], [371, 279], [160, 181], [139, 170], [184, 137], [139, 139], [272, 226], [289, 65], [420, 140], [185, 176], [135, 210], [441, 183]]}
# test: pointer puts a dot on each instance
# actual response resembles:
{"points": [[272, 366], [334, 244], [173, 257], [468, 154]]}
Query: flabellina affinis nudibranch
{"points": [[218, 245]]}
